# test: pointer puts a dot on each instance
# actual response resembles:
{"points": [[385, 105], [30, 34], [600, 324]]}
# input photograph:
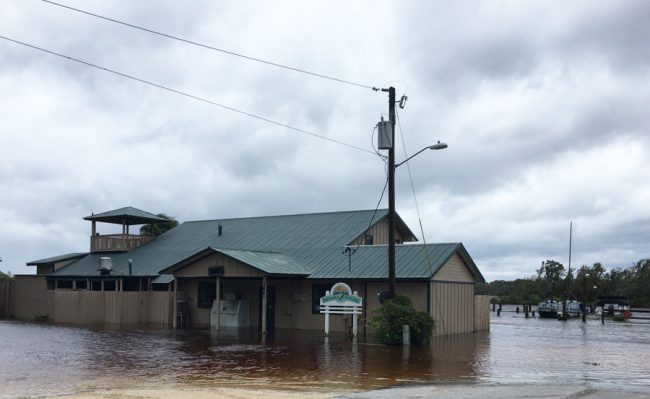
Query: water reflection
{"points": [[39, 358]]}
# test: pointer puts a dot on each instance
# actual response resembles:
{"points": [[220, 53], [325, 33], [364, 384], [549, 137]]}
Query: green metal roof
{"points": [[371, 262], [265, 234], [309, 245], [268, 262], [55, 259], [127, 215], [163, 279]]}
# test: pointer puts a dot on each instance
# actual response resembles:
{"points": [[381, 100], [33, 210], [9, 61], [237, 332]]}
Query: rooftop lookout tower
{"points": [[121, 242]]}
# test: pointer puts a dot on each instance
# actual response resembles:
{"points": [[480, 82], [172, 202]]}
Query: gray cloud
{"points": [[542, 105]]}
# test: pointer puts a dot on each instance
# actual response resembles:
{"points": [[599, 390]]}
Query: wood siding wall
{"points": [[293, 306], [232, 267], [34, 300], [452, 307], [379, 233], [6, 298], [482, 313], [454, 270], [293, 303]]}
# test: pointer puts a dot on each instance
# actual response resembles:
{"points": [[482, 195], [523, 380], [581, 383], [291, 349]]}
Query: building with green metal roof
{"points": [[293, 259]]}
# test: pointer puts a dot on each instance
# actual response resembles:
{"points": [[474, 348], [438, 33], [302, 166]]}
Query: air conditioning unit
{"points": [[105, 265]]}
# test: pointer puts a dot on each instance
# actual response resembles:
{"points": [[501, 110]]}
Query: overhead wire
{"points": [[349, 251], [185, 94], [384, 158], [232, 53], [417, 209]]}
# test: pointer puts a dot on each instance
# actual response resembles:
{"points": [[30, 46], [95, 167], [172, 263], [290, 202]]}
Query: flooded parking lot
{"points": [[44, 359]]}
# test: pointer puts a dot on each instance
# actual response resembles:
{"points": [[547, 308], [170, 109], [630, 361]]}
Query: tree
{"points": [[159, 228], [550, 276], [640, 294], [6, 276]]}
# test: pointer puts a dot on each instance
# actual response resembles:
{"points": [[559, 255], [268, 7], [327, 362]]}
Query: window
{"points": [[318, 291], [81, 284], [109, 285], [368, 239], [64, 284], [95, 285], [160, 287], [131, 284], [207, 293]]}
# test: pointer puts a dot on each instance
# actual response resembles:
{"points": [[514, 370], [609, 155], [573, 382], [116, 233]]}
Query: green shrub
{"points": [[395, 313]]}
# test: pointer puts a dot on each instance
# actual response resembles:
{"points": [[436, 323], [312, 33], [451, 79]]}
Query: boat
{"points": [[613, 305], [573, 309], [548, 309]]}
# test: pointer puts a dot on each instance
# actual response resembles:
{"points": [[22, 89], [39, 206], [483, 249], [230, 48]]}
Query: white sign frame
{"points": [[341, 300]]}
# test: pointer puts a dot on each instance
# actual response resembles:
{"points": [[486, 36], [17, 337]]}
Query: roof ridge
{"points": [[212, 247], [285, 215]]}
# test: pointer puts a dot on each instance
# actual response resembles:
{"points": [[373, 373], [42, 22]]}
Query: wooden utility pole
{"points": [[391, 195]]}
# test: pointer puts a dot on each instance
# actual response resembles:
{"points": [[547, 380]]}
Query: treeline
{"points": [[553, 281], [6, 276]]}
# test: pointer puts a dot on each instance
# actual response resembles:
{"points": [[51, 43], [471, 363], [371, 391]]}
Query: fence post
{"points": [[327, 317], [406, 334]]}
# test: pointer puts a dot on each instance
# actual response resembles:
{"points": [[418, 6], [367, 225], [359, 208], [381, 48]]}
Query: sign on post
{"points": [[341, 300]]}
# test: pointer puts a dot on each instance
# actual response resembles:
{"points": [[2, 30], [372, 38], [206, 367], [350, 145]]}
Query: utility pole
{"points": [[386, 141], [391, 194]]}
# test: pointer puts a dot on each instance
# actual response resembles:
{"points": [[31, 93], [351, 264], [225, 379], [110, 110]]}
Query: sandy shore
{"points": [[202, 393], [421, 392], [418, 392]]}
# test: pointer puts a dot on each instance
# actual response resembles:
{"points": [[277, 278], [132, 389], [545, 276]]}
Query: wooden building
{"points": [[272, 269]]}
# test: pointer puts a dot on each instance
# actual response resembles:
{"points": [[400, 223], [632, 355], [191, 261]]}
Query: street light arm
{"points": [[438, 146]]}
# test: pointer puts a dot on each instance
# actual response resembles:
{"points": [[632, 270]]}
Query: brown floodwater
{"points": [[46, 359]]}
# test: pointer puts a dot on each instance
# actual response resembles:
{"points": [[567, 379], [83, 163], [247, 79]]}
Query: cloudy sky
{"points": [[544, 106]]}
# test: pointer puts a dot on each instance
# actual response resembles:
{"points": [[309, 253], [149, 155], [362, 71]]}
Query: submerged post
{"points": [[354, 318], [406, 334], [264, 304], [327, 317], [218, 299], [174, 323]]}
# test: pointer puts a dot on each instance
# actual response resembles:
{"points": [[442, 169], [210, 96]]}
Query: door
{"points": [[270, 310]]}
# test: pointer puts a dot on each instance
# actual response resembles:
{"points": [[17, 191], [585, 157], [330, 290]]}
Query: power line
{"points": [[187, 95], [275, 64], [349, 251]]}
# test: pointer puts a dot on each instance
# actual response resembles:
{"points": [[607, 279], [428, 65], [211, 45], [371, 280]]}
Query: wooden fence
{"points": [[481, 312], [6, 298], [34, 301]]}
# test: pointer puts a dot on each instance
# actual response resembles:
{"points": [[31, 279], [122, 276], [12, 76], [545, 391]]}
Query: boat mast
{"points": [[570, 240]]}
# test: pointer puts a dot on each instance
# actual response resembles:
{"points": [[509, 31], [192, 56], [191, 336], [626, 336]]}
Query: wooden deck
{"points": [[117, 242]]}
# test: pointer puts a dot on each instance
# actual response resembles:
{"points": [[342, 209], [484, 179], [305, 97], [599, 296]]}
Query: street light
{"points": [[391, 183], [437, 146], [392, 279]]}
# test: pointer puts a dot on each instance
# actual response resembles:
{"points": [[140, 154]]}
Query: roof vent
{"points": [[105, 265]]}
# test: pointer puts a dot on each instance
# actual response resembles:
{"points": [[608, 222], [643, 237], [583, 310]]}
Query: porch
{"points": [[117, 242]]}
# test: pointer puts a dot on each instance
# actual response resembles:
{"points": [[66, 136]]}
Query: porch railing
{"points": [[117, 242]]}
